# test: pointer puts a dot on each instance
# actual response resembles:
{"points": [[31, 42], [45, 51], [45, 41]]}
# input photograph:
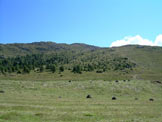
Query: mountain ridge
{"points": [[15, 49]]}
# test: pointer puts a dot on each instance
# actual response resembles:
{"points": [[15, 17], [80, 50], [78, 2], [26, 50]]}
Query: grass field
{"points": [[64, 101]]}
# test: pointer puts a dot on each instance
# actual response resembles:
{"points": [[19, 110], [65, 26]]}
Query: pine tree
{"points": [[77, 69], [53, 68], [41, 68], [26, 69]]}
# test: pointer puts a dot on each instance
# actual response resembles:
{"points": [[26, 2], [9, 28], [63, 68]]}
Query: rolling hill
{"points": [[10, 50], [142, 62]]}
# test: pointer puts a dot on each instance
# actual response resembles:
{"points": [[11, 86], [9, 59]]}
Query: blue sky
{"points": [[95, 22]]}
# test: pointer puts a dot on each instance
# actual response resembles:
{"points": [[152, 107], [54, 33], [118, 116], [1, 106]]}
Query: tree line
{"points": [[62, 62]]}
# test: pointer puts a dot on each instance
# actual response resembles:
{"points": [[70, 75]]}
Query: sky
{"points": [[103, 23]]}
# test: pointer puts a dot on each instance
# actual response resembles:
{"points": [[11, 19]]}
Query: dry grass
{"points": [[49, 101]]}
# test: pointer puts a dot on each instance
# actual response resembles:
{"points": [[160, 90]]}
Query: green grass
{"points": [[66, 75], [63, 101]]}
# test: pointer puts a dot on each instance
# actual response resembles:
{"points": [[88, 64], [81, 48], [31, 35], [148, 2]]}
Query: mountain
{"points": [[41, 47], [138, 61]]}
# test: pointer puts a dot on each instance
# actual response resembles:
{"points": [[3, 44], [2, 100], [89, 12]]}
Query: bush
{"points": [[61, 69], [77, 69], [99, 71]]}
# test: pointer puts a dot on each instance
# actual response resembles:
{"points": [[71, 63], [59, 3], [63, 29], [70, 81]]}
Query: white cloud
{"points": [[137, 40], [158, 40]]}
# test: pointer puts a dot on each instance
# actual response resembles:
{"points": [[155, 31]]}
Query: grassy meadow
{"points": [[63, 101]]}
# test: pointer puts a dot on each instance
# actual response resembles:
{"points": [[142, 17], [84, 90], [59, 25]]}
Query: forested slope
{"points": [[79, 58]]}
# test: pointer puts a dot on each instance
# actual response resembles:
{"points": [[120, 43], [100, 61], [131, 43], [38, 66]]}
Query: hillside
{"points": [[142, 62], [147, 58], [10, 50]]}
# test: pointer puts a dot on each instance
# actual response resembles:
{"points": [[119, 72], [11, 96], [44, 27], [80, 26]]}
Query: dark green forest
{"points": [[60, 62]]}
